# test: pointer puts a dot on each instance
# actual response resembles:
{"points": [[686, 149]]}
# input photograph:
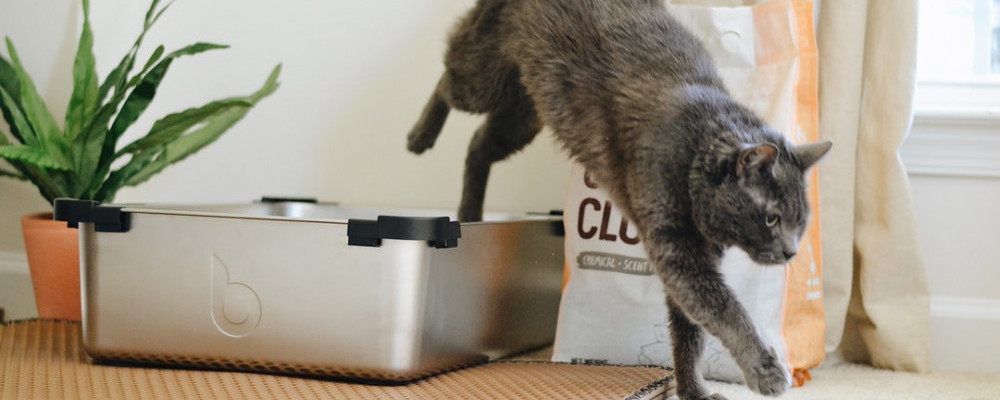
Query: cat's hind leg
{"points": [[425, 132], [688, 342], [505, 131], [477, 78]]}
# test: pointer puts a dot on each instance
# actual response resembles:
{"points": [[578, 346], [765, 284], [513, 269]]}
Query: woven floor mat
{"points": [[45, 360]]}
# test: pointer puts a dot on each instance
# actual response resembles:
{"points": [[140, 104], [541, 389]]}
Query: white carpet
{"points": [[844, 381]]}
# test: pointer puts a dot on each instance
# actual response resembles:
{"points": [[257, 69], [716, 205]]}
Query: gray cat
{"points": [[636, 99]]}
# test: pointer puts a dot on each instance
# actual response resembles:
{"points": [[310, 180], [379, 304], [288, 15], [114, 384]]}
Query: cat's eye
{"points": [[772, 220]]}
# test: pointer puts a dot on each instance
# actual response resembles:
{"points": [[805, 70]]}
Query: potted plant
{"points": [[83, 158]]}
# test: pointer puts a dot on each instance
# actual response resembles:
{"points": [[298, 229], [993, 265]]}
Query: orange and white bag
{"points": [[613, 308]]}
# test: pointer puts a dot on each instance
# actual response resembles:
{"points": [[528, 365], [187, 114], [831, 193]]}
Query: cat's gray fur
{"points": [[636, 99]]}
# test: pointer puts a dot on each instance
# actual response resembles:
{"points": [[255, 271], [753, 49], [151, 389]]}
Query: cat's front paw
{"points": [[767, 375]]}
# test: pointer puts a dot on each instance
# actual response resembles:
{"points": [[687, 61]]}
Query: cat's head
{"points": [[757, 199]]}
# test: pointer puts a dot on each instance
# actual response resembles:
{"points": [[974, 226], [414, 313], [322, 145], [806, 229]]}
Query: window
{"points": [[956, 121], [958, 58], [959, 38]]}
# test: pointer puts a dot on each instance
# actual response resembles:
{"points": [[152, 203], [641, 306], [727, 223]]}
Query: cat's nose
{"points": [[790, 247]]}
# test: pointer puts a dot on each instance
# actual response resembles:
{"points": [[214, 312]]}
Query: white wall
{"points": [[954, 164], [356, 75]]}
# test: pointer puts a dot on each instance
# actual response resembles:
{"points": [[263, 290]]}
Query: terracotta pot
{"points": [[54, 260]]}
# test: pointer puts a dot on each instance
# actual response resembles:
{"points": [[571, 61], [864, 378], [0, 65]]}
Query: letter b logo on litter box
{"points": [[235, 306]]}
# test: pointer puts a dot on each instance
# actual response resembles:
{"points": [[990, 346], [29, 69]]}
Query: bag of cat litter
{"points": [[613, 308]]}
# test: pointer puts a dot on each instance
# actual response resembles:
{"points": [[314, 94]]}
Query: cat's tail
{"points": [[428, 127]]}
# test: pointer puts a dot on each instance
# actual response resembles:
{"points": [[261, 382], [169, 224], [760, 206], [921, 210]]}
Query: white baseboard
{"points": [[13, 263], [965, 308], [963, 334], [16, 295]]}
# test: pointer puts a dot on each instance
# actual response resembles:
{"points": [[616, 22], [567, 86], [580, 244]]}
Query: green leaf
{"points": [[10, 84], [116, 180], [34, 108], [117, 77], [174, 125], [193, 49], [102, 156], [269, 86], [152, 15], [98, 143], [50, 184], [10, 174], [84, 98], [185, 145], [38, 176], [146, 84], [8, 76], [144, 92], [32, 155], [48, 151], [188, 144], [5, 172], [19, 125]]}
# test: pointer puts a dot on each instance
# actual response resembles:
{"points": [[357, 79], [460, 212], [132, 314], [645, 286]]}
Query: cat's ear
{"points": [[758, 158], [808, 154]]}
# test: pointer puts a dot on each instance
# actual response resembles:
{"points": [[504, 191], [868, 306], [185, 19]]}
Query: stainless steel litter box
{"points": [[313, 289]]}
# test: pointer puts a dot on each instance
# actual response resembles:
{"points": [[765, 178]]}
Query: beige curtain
{"points": [[875, 286]]}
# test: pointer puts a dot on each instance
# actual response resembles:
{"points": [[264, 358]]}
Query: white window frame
{"points": [[956, 123], [956, 130]]}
